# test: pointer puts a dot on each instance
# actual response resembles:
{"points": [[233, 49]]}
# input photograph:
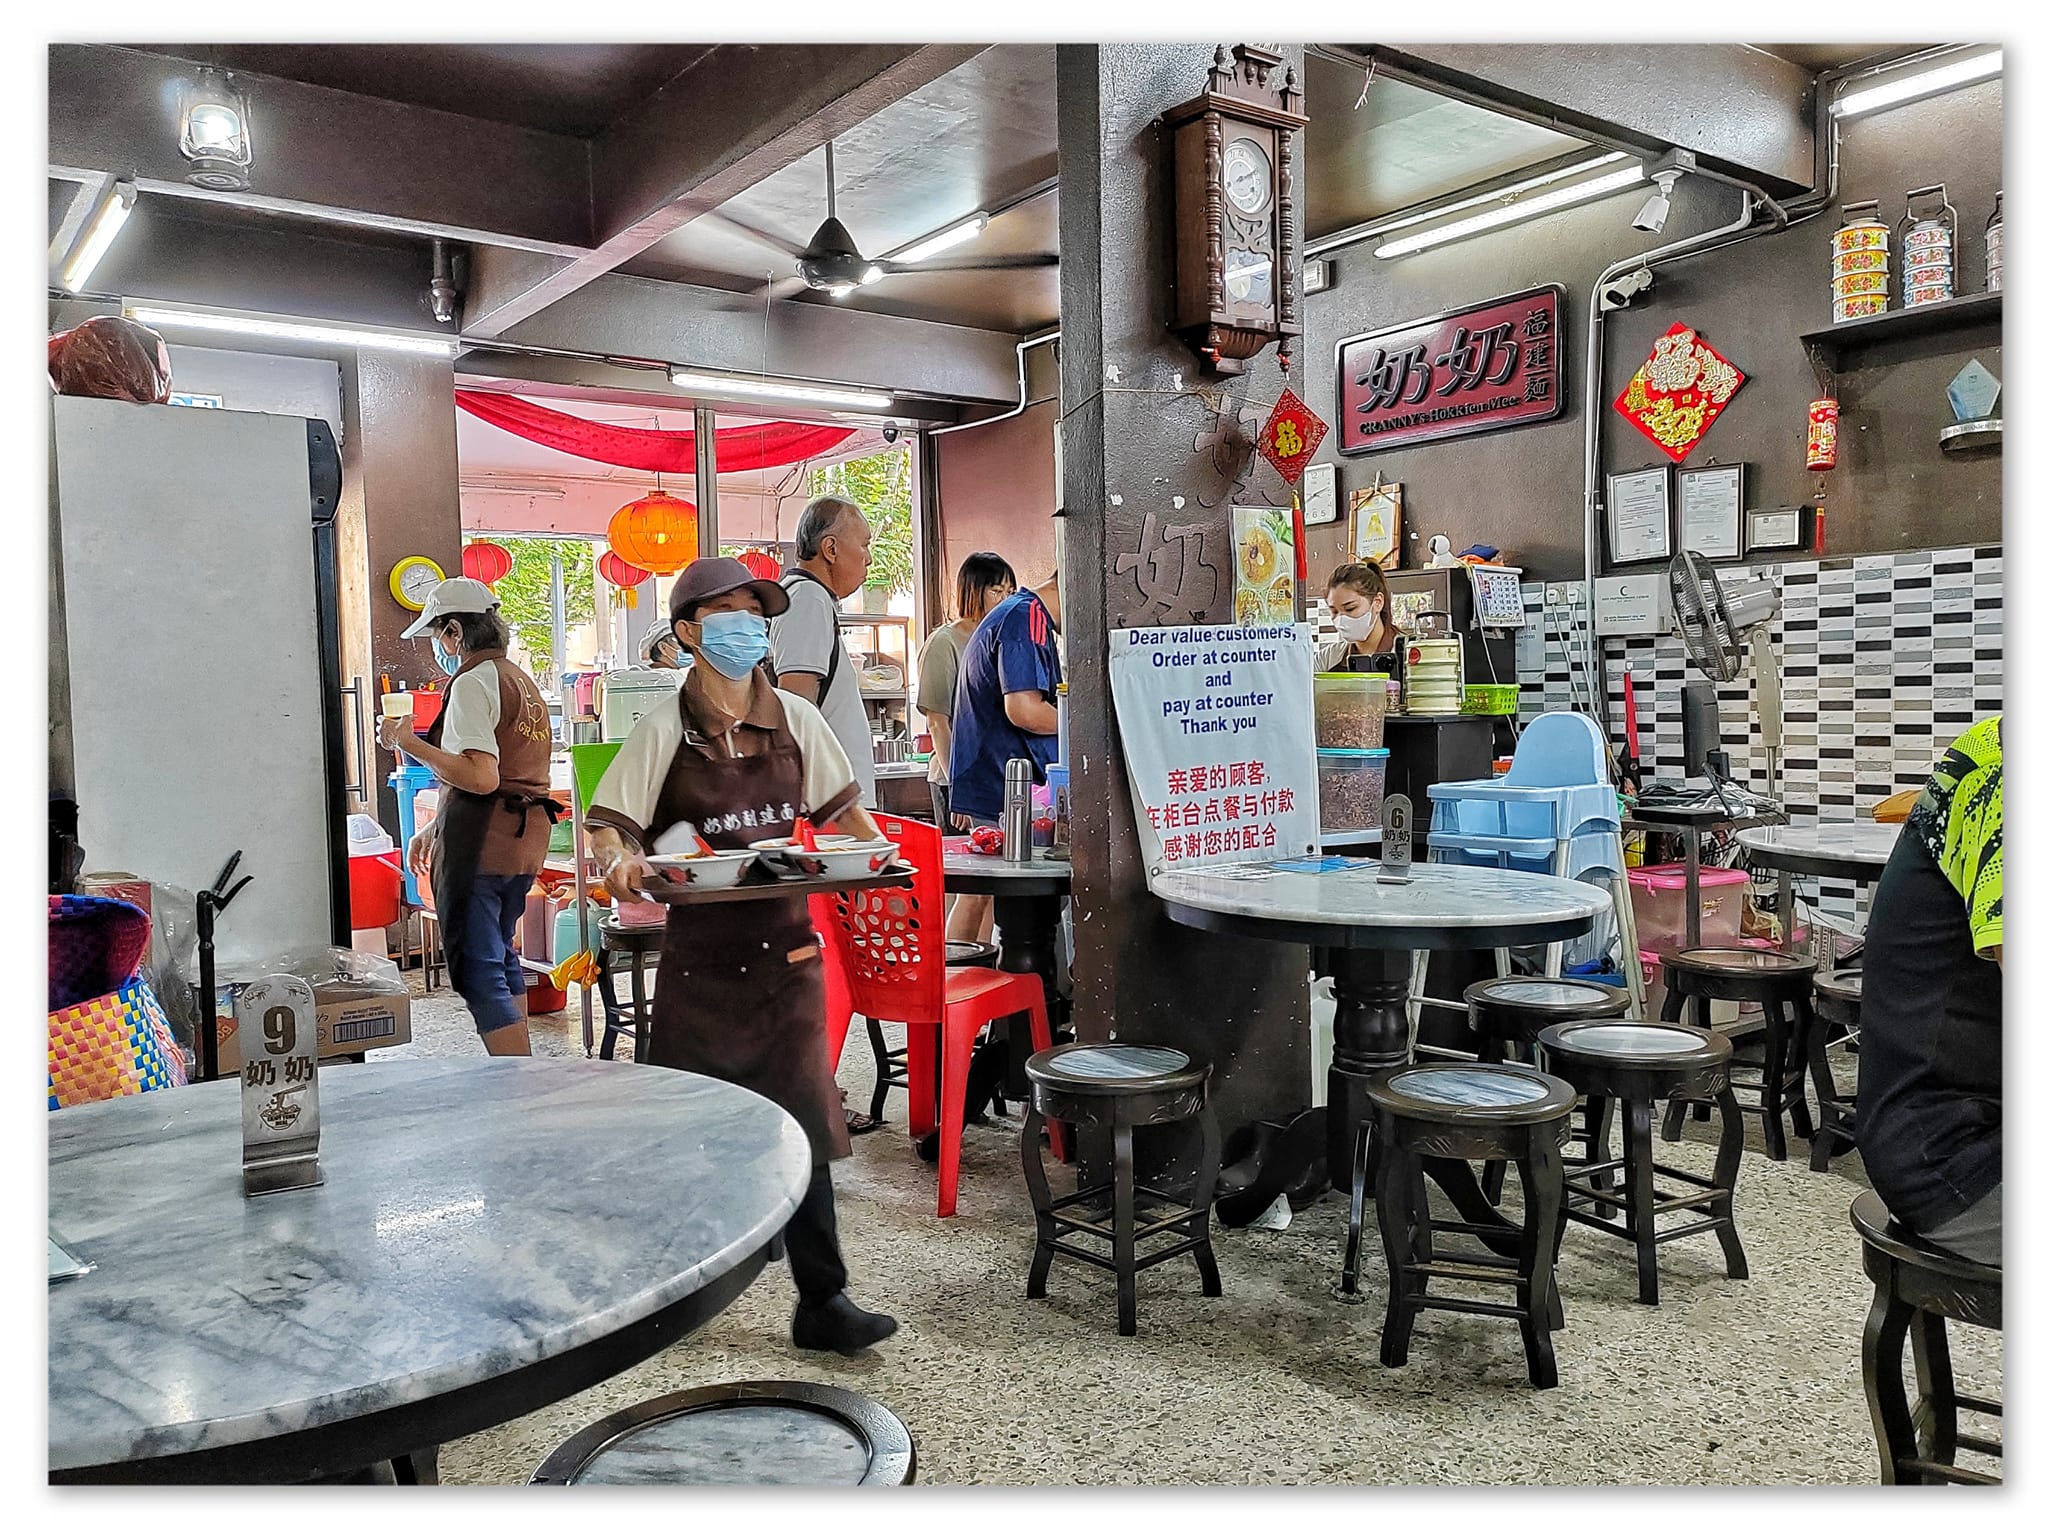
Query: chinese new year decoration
{"points": [[658, 533], [1823, 433], [622, 574], [760, 564], [486, 562], [1290, 436], [1680, 392]]}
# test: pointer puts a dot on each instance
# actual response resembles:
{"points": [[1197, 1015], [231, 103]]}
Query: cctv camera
{"points": [[890, 431], [1619, 293], [1657, 209]]}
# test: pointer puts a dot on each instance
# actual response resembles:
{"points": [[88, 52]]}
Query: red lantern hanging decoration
{"points": [[622, 574], [760, 564], [658, 533], [486, 562]]}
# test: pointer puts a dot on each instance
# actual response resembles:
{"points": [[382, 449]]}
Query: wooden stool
{"points": [[633, 944], [1918, 1286], [1501, 1111], [1783, 985], [1121, 1087], [1508, 1012], [1639, 1064], [748, 1433], [1838, 1012]]}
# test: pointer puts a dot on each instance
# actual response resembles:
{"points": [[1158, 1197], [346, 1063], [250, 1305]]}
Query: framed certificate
{"points": [[1319, 495], [1784, 528], [1376, 524], [1639, 515], [1710, 510]]}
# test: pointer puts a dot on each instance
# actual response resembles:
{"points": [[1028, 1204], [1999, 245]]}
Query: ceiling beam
{"points": [[729, 122], [1744, 113], [327, 155]]}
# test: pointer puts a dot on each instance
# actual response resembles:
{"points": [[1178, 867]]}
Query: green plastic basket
{"points": [[1492, 698]]}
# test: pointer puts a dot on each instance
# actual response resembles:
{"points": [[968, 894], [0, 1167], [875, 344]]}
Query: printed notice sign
{"points": [[1218, 727]]}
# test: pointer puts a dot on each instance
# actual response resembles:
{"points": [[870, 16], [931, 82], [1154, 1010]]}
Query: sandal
{"points": [[858, 1124]]}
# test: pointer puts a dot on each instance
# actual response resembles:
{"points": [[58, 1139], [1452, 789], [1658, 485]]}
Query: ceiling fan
{"points": [[832, 264]]}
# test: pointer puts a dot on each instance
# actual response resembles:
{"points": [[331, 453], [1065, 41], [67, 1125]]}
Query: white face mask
{"points": [[1358, 627]]}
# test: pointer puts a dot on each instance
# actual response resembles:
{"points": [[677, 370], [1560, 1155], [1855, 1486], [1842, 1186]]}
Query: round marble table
{"points": [[493, 1235], [1027, 913], [1842, 850], [1370, 928]]}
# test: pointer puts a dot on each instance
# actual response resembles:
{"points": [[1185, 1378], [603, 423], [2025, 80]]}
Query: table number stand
{"points": [[277, 1024], [1397, 840]]}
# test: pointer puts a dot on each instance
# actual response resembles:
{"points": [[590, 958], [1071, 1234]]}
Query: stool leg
{"points": [[1799, 1028], [1642, 1196], [1773, 1087], [1825, 1095], [1599, 1140], [609, 992], [1041, 1202], [1934, 1416], [1542, 1174], [640, 1009], [1726, 1161], [1391, 1195], [880, 1049], [1884, 1381], [1359, 1173], [1126, 1227], [1205, 1196], [1672, 1011]]}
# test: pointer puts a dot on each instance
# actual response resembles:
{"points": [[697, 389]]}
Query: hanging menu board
{"points": [[1218, 726]]}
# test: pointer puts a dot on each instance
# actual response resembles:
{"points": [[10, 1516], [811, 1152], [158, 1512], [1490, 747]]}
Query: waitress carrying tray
{"points": [[757, 884]]}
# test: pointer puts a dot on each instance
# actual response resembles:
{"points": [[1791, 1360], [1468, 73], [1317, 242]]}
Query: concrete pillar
{"points": [[1140, 457]]}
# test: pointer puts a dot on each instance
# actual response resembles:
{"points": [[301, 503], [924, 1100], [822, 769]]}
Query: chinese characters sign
{"points": [[1499, 364], [1290, 436], [1678, 393], [1219, 742]]}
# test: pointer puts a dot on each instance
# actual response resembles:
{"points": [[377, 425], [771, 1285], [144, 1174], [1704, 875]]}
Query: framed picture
{"points": [[1639, 515], [1376, 524], [1710, 510], [1319, 495], [1262, 558], [1782, 528]]}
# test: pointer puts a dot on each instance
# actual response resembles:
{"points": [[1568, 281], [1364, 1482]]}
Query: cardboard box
{"points": [[348, 1024]]}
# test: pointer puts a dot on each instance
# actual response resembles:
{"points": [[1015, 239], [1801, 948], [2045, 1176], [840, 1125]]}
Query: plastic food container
{"points": [[1350, 783], [1658, 891], [1492, 698], [1351, 709]]}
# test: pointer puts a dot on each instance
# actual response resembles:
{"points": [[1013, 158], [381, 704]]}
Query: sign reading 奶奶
{"points": [[1492, 365], [1218, 727]]}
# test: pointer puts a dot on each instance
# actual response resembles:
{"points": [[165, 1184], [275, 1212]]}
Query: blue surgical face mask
{"points": [[734, 643], [449, 664]]}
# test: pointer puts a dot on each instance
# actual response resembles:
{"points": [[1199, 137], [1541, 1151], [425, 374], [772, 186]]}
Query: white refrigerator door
{"points": [[191, 616]]}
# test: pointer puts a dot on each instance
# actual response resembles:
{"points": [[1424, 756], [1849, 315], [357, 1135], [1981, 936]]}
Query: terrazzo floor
{"points": [[1276, 1382]]}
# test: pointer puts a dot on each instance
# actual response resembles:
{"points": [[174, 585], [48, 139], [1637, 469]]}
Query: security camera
{"points": [[890, 431], [1622, 290], [1657, 209]]}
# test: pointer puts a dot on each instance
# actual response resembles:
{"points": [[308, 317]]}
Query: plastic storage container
{"points": [[633, 694], [374, 881], [1350, 782], [1658, 891], [1492, 698], [1351, 709]]}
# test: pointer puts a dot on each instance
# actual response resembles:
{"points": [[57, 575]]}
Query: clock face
{"points": [[1248, 276], [1247, 176], [415, 578]]}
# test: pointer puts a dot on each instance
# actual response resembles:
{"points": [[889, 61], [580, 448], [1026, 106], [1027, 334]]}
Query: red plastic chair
{"points": [[838, 993], [895, 947]]}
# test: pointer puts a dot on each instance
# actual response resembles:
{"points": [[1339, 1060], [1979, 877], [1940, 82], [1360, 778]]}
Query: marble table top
{"points": [[1442, 905], [1855, 849], [980, 866], [477, 1216]]}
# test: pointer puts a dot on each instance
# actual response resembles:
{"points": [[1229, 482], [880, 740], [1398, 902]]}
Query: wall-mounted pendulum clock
{"points": [[1236, 219]]}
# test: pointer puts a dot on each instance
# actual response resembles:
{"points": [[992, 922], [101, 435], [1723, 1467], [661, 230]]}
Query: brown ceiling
{"points": [[576, 89]]}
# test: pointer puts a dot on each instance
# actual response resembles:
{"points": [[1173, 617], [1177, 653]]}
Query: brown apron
{"points": [[729, 999], [502, 833]]}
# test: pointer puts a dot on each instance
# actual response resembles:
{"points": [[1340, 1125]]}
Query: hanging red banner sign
{"points": [[1479, 369], [1290, 437]]}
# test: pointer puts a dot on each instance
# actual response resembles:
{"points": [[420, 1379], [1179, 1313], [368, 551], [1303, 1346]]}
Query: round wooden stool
{"points": [[1918, 1286], [1838, 1008], [1782, 985], [1121, 1087], [745, 1433], [1636, 1065], [1508, 1012], [631, 946], [1501, 1111]]}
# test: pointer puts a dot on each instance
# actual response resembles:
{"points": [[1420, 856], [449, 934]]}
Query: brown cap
{"points": [[716, 575]]}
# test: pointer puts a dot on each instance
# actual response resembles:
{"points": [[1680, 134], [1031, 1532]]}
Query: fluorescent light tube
{"points": [[1516, 190], [945, 239], [1926, 83], [99, 236], [771, 389], [1513, 213], [291, 330]]}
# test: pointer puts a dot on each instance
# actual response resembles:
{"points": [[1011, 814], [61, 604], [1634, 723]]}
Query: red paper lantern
{"points": [[622, 574], [761, 564], [658, 533], [486, 562]]}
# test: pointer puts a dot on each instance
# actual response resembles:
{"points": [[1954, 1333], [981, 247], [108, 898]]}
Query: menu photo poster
{"points": [[1376, 523], [1218, 727], [1262, 544], [1710, 510], [1639, 515]]}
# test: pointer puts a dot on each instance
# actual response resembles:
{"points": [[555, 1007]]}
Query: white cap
{"points": [[458, 594]]}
